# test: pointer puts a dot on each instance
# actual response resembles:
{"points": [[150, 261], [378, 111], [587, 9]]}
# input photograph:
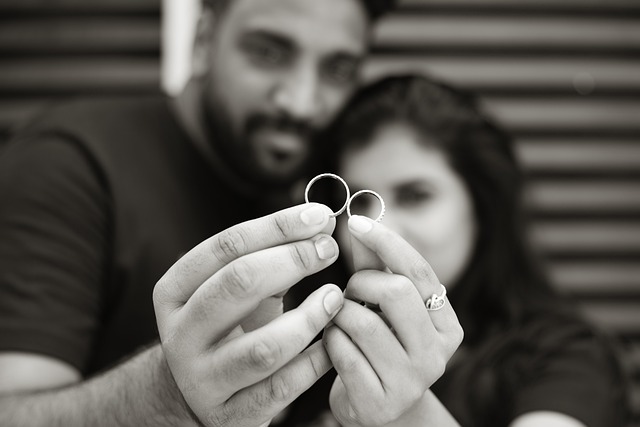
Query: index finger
{"points": [[286, 226], [396, 253], [364, 258]]}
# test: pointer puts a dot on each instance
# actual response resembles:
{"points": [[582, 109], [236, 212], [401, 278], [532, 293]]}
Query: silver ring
{"points": [[336, 177], [436, 302], [360, 193]]}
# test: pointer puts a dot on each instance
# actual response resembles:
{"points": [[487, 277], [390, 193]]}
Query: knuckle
{"points": [[283, 226], [314, 324], [458, 335], [279, 389], [238, 280], [228, 245], [454, 339], [422, 270], [165, 303], [366, 326], [300, 257], [439, 366], [399, 288], [264, 354], [160, 294], [345, 363]]}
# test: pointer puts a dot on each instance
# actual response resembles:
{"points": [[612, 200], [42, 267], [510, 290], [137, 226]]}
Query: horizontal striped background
{"points": [[564, 77]]}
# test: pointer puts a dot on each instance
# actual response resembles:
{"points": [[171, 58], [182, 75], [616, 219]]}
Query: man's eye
{"points": [[263, 53], [341, 72]]}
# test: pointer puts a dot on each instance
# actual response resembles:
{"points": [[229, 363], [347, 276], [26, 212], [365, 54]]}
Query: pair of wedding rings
{"points": [[435, 302], [347, 204]]}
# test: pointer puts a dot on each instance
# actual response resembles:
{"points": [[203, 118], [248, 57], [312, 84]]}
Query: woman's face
{"points": [[426, 201]]}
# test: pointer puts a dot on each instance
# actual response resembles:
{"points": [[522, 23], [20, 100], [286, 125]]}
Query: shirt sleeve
{"points": [[579, 375], [53, 248]]}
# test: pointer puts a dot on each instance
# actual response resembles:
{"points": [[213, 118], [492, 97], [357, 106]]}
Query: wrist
{"points": [[428, 411], [170, 403]]}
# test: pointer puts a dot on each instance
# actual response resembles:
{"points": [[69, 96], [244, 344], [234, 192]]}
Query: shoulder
{"points": [[112, 132], [107, 106], [550, 361], [108, 114], [572, 368]]}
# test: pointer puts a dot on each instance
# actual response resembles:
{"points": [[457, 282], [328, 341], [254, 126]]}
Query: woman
{"points": [[452, 189]]}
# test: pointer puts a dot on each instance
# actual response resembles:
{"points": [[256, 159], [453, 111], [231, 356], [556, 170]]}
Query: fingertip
{"points": [[327, 209], [360, 224], [326, 247], [315, 214], [333, 300], [331, 287]]}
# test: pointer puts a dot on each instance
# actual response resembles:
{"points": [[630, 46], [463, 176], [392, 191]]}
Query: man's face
{"points": [[279, 70]]}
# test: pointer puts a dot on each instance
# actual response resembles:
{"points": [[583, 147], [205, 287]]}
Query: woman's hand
{"points": [[386, 363]]}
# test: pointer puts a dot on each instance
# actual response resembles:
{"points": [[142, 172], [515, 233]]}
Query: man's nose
{"points": [[297, 95]]}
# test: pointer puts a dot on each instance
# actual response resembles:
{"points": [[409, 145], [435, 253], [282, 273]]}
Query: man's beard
{"points": [[238, 151]]}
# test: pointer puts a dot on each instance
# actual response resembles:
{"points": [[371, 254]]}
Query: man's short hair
{"points": [[375, 8]]}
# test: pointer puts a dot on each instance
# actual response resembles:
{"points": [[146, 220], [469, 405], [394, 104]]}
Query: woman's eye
{"points": [[412, 197]]}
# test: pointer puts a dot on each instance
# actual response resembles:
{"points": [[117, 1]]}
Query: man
{"points": [[99, 199]]}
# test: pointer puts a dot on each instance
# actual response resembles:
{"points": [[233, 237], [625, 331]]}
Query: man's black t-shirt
{"points": [[98, 200]]}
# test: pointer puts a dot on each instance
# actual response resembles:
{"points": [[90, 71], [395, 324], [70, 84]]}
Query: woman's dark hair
{"points": [[503, 282]]}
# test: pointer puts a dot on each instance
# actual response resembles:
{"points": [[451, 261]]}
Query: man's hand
{"points": [[387, 361], [229, 376]]}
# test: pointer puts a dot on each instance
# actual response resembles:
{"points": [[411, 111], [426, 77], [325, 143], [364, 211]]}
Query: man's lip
{"points": [[281, 142]]}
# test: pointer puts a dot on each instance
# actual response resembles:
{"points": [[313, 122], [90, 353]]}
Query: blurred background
{"points": [[564, 76]]}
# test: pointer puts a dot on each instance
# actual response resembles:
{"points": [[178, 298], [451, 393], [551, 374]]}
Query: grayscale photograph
{"points": [[320, 213]]}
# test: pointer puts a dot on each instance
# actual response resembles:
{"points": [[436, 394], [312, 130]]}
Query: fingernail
{"points": [[313, 215], [332, 302], [360, 224], [325, 247]]}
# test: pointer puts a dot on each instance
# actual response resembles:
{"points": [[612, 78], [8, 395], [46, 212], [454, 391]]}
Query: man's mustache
{"points": [[284, 124]]}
